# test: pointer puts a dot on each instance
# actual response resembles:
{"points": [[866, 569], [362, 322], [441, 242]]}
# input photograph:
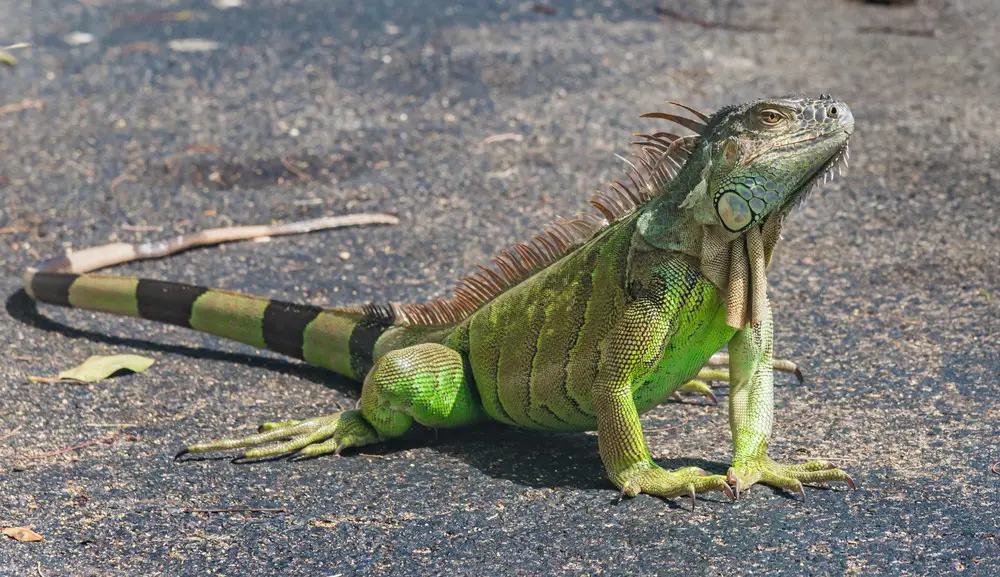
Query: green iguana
{"points": [[586, 326]]}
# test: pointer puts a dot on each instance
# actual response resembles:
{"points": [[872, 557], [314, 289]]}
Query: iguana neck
{"points": [[663, 223], [681, 219]]}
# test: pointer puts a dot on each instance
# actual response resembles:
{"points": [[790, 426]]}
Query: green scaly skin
{"points": [[611, 329]]}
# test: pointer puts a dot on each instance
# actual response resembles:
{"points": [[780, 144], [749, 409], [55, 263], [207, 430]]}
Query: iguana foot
{"points": [[722, 375], [316, 436], [653, 479], [788, 477], [697, 387]]}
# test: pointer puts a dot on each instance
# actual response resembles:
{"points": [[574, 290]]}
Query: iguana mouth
{"points": [[838, 163], [791, 145]]}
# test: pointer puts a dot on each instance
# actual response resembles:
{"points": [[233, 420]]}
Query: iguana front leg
{"points": [[751, 415], [633, 348]]}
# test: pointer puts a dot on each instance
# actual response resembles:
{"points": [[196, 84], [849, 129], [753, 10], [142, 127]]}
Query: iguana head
{"points": [[763, 156]]}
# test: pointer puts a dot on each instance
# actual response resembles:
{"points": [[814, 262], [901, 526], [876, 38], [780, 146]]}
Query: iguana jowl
{"points": [[589, 324]]}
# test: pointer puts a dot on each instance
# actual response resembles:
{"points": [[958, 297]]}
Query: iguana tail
{"points": [[341, 340]]}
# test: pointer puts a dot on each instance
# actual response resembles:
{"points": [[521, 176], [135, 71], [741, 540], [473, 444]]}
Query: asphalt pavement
{"points": [[477, 122]]}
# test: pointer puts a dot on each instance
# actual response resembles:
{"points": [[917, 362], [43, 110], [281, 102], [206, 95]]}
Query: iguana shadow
{"points": [[24, 309], [529, 458], [539, 460]]}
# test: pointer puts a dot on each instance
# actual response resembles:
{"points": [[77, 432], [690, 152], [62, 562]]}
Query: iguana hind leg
{"points": [[722, 360], [702, 384], [424, 383]]}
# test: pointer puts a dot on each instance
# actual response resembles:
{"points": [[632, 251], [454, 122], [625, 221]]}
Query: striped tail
{"points": [[340, 339]]}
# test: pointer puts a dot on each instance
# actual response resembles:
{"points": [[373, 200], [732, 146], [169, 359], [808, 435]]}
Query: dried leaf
{"points": [[6, 57], [22, 534], [98, 368]]}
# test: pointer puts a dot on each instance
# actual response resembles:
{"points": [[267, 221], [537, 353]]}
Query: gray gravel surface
{"points": [[887, 288]]}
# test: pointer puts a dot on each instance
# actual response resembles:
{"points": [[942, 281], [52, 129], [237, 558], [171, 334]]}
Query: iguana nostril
{"points": [[833, 111]]}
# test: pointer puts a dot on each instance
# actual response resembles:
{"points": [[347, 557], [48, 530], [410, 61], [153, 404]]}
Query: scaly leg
{"points": [[721, 359], [702, 384], [423, 383], [751, 415], [627, 462]]}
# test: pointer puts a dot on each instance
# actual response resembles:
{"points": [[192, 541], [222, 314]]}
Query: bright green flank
{"points": [[582, 327]]}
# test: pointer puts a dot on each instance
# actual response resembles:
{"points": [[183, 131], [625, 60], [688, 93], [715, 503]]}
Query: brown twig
{"points": [[14, 229], [120, 179], [11, 434], [142, 227], [206, 148], [661, 429], [668, 13], [503, 138], [238, 510], [107, 440], [892, 30], [889, 2], [994, 470], [298, 172], [26, 104], [138, 47], [83, 169], [190, 149]]}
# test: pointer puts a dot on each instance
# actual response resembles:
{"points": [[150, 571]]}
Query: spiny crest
{"points": [[661, 156]]}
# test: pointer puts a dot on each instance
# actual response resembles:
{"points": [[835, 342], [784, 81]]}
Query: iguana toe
{"points": [[311, 437], [697, 387], [352, 431], [788, 477], [270, 426]]}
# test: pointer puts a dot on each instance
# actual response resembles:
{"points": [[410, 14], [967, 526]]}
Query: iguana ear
{"points": [[699, 200]]}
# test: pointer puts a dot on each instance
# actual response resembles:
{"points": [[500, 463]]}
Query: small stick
{"points": [[238, 510], [15, 431], [142, 227], [290, 166], [120, 179], [893, 31], [503, 138], [98, 257], [661, 429], [27, 103], [108, 439], [680, 17]]}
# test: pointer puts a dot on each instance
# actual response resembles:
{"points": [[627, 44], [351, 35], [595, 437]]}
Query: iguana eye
{"points": [[770, 117]]}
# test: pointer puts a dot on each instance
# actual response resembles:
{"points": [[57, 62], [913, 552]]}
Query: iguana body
{"points": [[584, 327]]}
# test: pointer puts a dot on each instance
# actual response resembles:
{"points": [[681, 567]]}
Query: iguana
{"points": [[586, 326]]}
